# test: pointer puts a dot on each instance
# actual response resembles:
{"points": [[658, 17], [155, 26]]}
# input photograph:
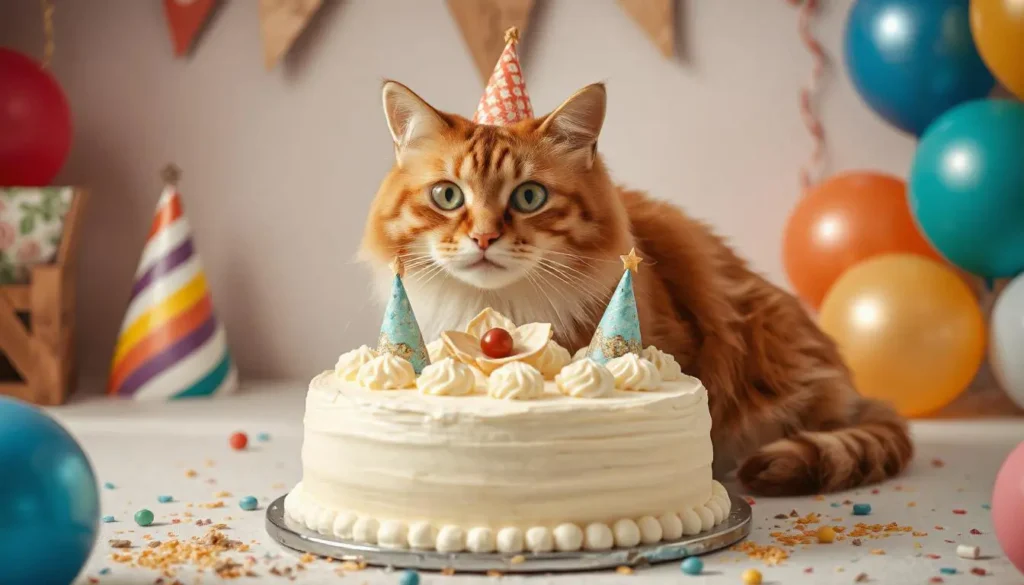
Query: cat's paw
{"points": [[784, 468]]}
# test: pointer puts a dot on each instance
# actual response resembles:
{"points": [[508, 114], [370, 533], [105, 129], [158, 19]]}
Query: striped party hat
{"points": [[505, 100], [171, 344]]}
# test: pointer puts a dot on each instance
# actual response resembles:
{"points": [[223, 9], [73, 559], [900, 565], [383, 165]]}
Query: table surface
{"points": [[180, 449]]}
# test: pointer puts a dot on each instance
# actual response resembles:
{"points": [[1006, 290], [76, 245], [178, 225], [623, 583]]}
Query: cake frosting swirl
{"points": [[446, 377], [667, 365], [349, 362], [585, 379], [550, 360], [632, 372], [386, 372], [515, 381]]}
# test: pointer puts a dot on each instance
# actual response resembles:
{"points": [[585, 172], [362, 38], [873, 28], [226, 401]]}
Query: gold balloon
{"points": [[909, 329], [997, 27]]}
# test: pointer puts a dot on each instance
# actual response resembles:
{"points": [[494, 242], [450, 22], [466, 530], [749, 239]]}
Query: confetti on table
{"points": [[948, 570], [936, 580], [978, 571], [959, 512]]}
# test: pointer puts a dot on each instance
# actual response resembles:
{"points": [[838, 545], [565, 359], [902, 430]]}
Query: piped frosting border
{"points": [[301, 509]]}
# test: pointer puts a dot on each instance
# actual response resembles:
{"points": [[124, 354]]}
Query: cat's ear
{"points": [[577, 122], [409, 117]]}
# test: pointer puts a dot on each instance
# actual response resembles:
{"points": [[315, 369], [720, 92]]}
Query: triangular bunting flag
{"points": [[505, 100], [658, 19], [186, 18], [171, 344], [399, 332], [281, 22], [483, 24], [618, 333]]}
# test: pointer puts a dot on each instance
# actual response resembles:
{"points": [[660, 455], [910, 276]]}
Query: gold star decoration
{"points": [[631, 261], [398, 267]]}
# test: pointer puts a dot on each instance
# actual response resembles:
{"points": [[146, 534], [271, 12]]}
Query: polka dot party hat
{"points": [[505, 100]]}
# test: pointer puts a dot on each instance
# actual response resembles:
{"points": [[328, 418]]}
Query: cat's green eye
{"points": [[529, 197], [447, 195]]}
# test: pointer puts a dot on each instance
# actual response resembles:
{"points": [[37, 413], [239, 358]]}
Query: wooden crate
{"points": [[42, 351]]}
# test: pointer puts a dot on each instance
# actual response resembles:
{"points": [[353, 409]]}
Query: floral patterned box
{"points": [[31, 223]]}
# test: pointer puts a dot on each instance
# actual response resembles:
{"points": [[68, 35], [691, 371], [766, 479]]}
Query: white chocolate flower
{"points": [[446, 377], [515, 381], [585, 379], [349, 363], [527, 340], [632, 372], [667, 365], [386, 372], [551, 360]]}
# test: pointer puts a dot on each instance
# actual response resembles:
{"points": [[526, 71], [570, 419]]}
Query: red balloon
{"points": [[35, 122]]}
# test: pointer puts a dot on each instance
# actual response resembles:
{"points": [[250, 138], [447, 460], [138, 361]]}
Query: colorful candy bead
{"points": [[861, 509], [165, 499], [108, 519], [826, 535], [409, 577], [263, 437], [692, 566], [248, 503], [751, 577], [107, 485], [238, 441], [143, 517]]}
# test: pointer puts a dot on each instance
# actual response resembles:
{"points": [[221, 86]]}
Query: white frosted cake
{"points": [[529, 452]]}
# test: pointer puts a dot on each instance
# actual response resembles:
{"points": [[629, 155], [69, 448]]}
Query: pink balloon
{"points": [[1008, 507]]}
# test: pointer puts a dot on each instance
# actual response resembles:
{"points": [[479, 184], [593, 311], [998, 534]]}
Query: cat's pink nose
{"points": [[485, 240]]}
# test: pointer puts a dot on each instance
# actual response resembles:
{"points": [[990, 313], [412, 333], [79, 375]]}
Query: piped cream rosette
{"points": [[386, 372]]}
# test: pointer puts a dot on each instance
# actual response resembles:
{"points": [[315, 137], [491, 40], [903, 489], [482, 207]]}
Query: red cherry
{"points": [[496, 343], [238, 441]]}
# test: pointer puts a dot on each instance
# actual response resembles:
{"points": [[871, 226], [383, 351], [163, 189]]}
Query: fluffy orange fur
{"points": [[784, 409]]}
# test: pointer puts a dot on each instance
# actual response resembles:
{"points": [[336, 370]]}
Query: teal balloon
{"points": [[49, 502], [967, 187], [912, 60]]}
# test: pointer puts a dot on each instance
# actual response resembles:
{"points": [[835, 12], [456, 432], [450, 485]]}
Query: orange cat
{"points": [[525, 219]]}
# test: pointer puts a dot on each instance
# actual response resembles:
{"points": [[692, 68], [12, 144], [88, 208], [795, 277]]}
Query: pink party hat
{"points": [[505, 101]]}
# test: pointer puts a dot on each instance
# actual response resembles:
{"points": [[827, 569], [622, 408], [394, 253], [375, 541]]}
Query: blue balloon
{"points": [[967, 187], [49, 505], [912, 60]]}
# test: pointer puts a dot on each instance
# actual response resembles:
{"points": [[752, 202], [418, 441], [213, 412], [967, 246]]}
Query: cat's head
{"points": [[491, 206]]}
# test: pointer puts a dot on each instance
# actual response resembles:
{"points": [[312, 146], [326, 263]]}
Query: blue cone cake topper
{"points": [[618, 333], [400, 333]]}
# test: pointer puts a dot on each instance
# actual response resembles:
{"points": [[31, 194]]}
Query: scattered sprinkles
{"points": [[143, 517], [948, 570], [165, 499], [860, 578], [248, 503], [238, 441], [861, 509], [959, 512], [108, 486], [190, 473], [986, 506], [108, 519], [978, 571], [751, 577], [263, 437], [692, 566]]}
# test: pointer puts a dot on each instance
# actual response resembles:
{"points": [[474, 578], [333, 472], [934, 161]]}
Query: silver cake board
{"points": [[286, 532]]}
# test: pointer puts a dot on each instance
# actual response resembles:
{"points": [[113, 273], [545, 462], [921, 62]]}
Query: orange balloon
{"points": [[844, 220], [997, 27], [909, 329]]}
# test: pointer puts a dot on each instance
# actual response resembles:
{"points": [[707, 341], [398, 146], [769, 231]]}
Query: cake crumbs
{"points": [[307, 558], [495, 574], [120, 543], [222, 494], [877, 551], [153, 543], [959, 512], [861, 578], [976, 532], [212, 505], [771, 555], [190, 473], [624, 570], [448, 571], [349, 565], [938, 463], [517, 559], [857, 542]]}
